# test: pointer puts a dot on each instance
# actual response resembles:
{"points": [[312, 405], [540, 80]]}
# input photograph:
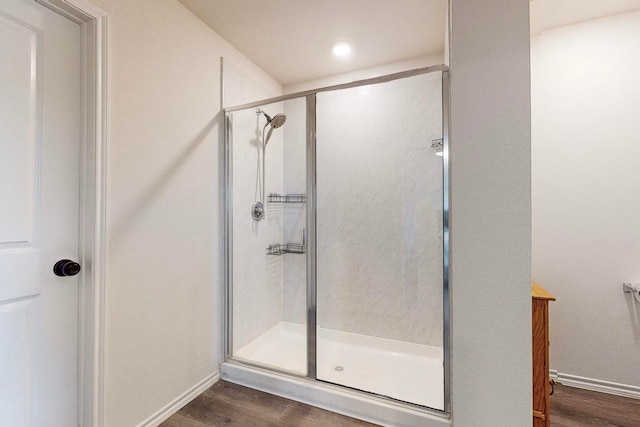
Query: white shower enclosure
{"points": [[344, 278]]}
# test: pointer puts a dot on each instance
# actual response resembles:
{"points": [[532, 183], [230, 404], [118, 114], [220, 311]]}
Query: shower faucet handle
{"points": [[257, 211]]}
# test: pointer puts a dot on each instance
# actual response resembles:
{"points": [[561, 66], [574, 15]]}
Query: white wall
{"points": [[242, 85], [491, 229], [163, 290], [368, 73], [585, 172]]}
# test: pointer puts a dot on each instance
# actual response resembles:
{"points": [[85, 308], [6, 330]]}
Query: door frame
{"points": [[92, 242]]}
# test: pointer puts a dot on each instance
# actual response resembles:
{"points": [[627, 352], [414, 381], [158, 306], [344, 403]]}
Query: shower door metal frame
{"points": [[311, 309], [312, 288], [446, 244]]}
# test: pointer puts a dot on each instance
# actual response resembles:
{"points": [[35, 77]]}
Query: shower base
{"points": [[403, 371]]}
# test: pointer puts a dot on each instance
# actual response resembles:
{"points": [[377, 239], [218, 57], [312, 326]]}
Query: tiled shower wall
{"points": [[379, 207]]}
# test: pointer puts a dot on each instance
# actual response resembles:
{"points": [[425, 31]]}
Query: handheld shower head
{"points": [[274, 123], [277, 121]]}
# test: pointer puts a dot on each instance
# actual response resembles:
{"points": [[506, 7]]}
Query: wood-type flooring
{"points": [[227, 404], [574, 407]]}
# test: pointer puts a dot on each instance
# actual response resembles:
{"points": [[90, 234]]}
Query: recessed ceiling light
{"points": [[341, 49]]}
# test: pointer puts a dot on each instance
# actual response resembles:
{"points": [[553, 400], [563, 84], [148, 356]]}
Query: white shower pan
{"points": [[399, 370]]}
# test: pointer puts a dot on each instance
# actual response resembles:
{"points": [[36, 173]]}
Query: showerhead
{"points": [[277, 121], [274, 123]]}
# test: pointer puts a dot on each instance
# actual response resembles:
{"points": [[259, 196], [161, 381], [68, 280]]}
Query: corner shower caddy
{"points": [[287, 198], [287, 248]]}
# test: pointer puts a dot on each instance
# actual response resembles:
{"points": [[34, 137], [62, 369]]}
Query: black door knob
{"points": [[66, 267]]}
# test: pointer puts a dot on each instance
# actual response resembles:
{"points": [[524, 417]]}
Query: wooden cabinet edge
{"points": [[540, 340], [539, 414]]}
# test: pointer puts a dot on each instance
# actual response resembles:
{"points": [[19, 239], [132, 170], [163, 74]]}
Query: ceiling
{"points": [[291, 39], [547, 14]]}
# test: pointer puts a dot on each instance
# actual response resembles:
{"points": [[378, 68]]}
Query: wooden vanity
{"points": [[541, 387]]}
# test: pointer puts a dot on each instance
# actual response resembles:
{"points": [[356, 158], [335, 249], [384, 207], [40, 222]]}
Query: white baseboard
{"points": [[592, 384], [180, 401]]}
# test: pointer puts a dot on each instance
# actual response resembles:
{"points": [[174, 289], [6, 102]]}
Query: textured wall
{"points": [[295, 215], [380, 210], [491, 211], [585, 172], [397, 293], [163, 290]]}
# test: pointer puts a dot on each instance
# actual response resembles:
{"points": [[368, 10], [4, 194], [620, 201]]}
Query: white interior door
{"points": [[39, 192]]}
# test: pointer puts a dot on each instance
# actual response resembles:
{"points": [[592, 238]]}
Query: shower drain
{"points": [[338, 368]]}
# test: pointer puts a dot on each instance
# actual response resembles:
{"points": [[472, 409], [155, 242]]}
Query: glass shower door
{"points": [[380, 239], [267, 268]]}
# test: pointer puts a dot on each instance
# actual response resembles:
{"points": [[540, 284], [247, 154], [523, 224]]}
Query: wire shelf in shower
{"points": [[286, 248], [287, 198]]}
